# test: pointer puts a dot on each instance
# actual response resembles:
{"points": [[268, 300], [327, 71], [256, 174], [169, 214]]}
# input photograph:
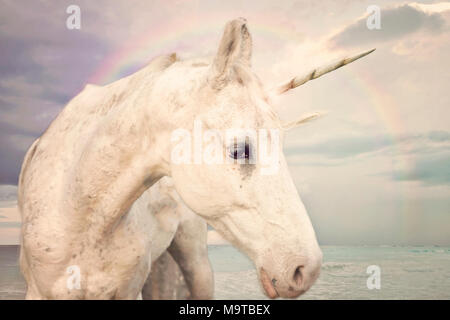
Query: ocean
{"points": [[405, 273]]}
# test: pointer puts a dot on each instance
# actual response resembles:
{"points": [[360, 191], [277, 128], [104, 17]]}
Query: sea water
{"points": [[405, 273]]}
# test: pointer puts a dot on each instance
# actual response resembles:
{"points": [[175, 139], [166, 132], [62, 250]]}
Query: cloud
{"points": [[395, 23], [431, 7], [423, 157], [40, 72], [429, 171], [8, 192], [344, 147], [14, 147], [352, 146], [10, 224]]}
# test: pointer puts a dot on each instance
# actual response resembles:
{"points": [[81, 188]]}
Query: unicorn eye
{"points": [[239, 151]]}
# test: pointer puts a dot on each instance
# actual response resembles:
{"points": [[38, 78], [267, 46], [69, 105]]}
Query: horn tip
{"points": [[369, 52]]}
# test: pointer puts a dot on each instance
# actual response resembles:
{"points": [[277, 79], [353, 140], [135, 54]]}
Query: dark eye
{"points": [[240, 151]]}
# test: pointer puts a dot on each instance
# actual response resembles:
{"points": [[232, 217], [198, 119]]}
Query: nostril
{"points": [[298, 275]]}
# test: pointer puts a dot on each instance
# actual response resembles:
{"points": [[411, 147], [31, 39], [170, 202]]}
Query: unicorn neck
{"points": [[116, 168], [123, 158], [131, 149]]}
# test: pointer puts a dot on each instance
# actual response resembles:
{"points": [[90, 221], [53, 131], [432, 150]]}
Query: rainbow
{"points": [[385, 107], [181, 35]]}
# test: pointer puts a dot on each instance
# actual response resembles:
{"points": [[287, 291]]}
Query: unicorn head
{"points": [[257, 210]]}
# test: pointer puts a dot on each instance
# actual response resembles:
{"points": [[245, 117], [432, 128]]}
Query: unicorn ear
{"points": [[235, 47]]}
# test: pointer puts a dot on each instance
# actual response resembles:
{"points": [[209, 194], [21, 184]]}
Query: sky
{"points": [[374, 170]]}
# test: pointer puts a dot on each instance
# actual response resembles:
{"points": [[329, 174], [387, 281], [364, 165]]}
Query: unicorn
{"points": [[79, 237]]}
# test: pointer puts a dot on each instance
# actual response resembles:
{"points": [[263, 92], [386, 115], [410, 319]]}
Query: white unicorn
{"points": [[80, 240]]}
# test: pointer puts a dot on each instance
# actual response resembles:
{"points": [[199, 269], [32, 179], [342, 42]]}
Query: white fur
{"points": [[110, 144]]}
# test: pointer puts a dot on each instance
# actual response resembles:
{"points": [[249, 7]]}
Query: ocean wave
{"points": [[418, 270], [335, 265]]}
